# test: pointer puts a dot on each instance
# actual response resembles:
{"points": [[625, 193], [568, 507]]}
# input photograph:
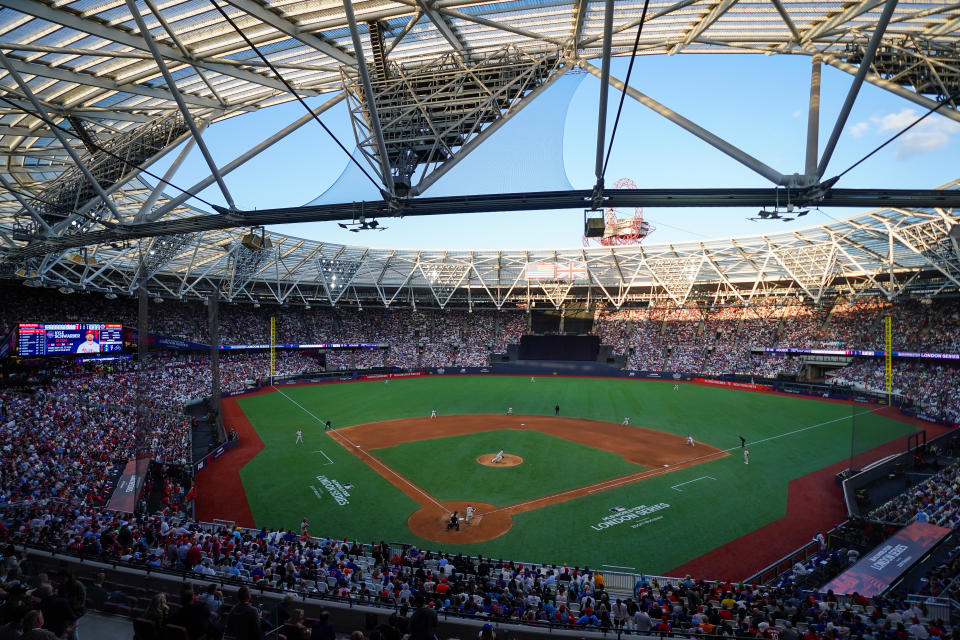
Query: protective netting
{"points": [[495, 166]]}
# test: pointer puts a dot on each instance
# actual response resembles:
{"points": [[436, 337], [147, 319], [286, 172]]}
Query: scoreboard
{"points": [[38, 339]]}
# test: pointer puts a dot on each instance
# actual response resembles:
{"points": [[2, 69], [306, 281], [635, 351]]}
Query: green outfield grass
{"points": [[550, 465], [709, 504]]}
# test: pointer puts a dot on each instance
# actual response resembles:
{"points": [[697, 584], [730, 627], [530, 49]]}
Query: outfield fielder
{"points": [[626, 421], [497, 459], [676, 387], [509, 411], [299, 436]]}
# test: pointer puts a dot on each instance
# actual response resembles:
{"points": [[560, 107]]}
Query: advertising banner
{"points": [[127, 491], [880, 568]]}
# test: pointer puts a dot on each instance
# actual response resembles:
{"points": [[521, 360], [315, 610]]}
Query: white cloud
{"points": [[860, 129], [932, 134], [797, 113]]}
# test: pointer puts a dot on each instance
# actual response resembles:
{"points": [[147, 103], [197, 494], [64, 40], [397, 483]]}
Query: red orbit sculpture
{"points": [[630, 230]]}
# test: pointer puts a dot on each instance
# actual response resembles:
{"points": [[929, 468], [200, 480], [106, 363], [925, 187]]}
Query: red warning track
{"points": [[814, 503], [220, 491]]}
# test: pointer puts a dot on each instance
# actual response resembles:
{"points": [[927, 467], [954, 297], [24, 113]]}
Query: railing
{"points": [[360, 609], [937, 607], [787, 562]]}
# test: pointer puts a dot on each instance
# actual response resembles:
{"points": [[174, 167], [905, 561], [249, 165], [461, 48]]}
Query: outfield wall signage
{"points": [[861, 353], [216, 453], [736, 385], [877, 570]]}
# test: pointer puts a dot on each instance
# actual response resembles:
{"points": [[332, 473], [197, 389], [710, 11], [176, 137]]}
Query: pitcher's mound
{"points": [[430, 522], [509, 460]]}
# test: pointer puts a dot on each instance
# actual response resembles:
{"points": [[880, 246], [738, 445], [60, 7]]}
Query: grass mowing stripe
{"points": [[742, 499], [366, 455], [649, 473], [447, 466], [305, 410]]}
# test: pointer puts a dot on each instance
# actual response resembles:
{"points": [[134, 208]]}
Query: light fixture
{"points": [[110, 295]]}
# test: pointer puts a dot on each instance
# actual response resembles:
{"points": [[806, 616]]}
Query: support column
{"points": [[813, 122], [141, 443], [213, 332]]}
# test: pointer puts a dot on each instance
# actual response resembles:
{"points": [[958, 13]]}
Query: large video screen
{"points": [[39, 339]]}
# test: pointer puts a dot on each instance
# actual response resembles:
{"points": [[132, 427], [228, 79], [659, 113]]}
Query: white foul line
{"points": [[356, 446], [649, 473], [674, 487], [329, 461]]}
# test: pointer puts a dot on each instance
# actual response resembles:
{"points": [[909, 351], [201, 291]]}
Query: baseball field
{"points": [[575, 486]]}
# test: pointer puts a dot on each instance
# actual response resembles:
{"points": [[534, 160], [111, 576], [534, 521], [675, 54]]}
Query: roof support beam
{"points": [[60, 15], [414, 19], [490, 129], [371, 100], [187, 116], [25, 204], [868, 54], [176, 40], [604, 93], [892, 87], [576, 28], [441, 24], [61, 137], [712, 16], [243, 158], [787, 19], [634, 23], [284, 25], [67, 75], [167, 177], [713, 140]]}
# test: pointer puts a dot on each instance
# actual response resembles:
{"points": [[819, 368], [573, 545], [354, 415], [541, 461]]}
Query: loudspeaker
{"points": [[593, 227], [256, 242]]}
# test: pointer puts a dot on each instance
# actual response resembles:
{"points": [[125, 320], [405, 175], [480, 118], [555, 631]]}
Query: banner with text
{"points": [[877, 570]]}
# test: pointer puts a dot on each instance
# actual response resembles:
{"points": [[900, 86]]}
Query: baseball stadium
{"points": [[259, 380]]}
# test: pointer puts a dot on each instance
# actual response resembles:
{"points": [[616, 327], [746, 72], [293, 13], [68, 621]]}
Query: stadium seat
{"points": [[144, 629]]}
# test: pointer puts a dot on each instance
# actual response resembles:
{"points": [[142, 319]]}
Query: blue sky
{"points": [[756, 102]]}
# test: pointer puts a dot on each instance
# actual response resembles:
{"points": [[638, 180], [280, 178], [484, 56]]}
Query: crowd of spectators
{"points": [[935, 500], [420, 586], [933, 385], [65, 438]]}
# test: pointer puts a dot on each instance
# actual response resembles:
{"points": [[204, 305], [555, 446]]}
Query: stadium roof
{"points": [[88, 102]]}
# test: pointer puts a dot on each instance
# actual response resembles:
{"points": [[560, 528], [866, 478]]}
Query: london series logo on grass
{"points": [[621, 515]]}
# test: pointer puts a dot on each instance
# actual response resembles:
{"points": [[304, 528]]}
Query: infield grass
{"points": [[550, 465], [722, 499]]}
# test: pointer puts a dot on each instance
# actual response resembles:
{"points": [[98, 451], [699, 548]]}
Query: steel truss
{"points": [[137, 78], [887, 252], [430, 112]]}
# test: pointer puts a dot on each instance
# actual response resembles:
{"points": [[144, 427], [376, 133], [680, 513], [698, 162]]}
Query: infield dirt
{"points": [[658, 451]]}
